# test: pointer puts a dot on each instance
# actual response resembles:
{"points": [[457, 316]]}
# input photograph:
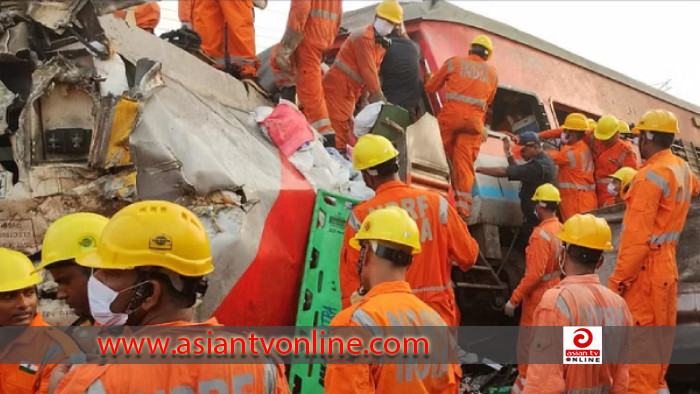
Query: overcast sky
{"points": [[656, 42]]}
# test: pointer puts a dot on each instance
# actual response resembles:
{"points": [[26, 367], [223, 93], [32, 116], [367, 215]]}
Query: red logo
{"points": [[584, 339]]}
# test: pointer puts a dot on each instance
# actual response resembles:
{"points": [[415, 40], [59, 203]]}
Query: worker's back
{"points": [[400, 73]]}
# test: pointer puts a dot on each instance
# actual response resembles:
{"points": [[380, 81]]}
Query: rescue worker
{"points": [[228, 35], [64, 240], [575, 161], [150, 265], [146, 16], [541, 268], [580, 300], [185, 9], [387, 242], [18, 307], [538, 170], [630, 140], [622, 181], [470, 88], [443, 235], [400, 73], [609, 155], [646, 274], [356, 67], [296, 62]]}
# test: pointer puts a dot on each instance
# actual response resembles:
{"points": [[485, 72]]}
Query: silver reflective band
{"points": [[566, 185], [572, 159], [659, 181], [362, 318], [544, 235], [427, 289], [463, 194], [270, 378], [622, 158], [324, 14], [450, 65], [96, 388], [590, 390], [347, 70], [605, 180], [320, 123], [549, 276], [664, 391], [659, 239], [517, 389], [443, 210], [564, 309], [354, 223], [465, 99]]}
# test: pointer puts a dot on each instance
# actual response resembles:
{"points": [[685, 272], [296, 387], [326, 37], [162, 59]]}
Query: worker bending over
{"points": [[541, 267], [621, 183], [470, 88], [646, 274], [575, 161], [356, 67], [387, 242], [145, 16], [64, 240], [443, 235], [151, 261], [609, 155], [296, 62], [578, 301]]}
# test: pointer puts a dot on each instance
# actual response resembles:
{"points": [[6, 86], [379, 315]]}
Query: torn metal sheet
{"points": [[55, 15], [14, 43], [6, 99]]}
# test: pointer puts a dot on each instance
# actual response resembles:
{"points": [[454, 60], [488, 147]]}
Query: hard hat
{"points": [[390, 10], [587, 231], [624, 128], [659, 120], [547, 192], [71, 235], [576, 122], [591, 124], [153, 233], [625, 175], [391, 224], [371, 150], [485, 42], [16, 271], [606, 128]]}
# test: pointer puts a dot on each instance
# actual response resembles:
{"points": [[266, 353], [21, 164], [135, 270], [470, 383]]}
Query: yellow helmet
{"points": [[624, 128], [659, 120], [71, 235], [372, 150], [606, 128], [485, 42], [587, 231], [391, 224], [576, 122], [16, 271], [390, 10], [591, 124], [625, 175], [153, 233], [547, 192]]}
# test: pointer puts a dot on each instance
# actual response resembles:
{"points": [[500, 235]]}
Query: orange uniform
{"points": [[28, 378], [185, 9], [576, 182], [646, 273], [381, 307], [444, 239], [170, 378], [578, 300], [607, 161], [318, 21], [471, 85], [147, 15], [214, 19], [356, 67]]}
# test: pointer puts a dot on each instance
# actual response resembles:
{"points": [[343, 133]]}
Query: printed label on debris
{"points": [[17, 234]]}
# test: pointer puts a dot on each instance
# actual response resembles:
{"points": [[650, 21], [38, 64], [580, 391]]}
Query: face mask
{"points": [[611, 189], [635, 141], [382, 27], [101, 297], [564, 138]]}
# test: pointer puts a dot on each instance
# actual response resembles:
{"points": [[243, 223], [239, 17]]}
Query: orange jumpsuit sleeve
{"points": [[545, 378], [366, 62], [184, 10], [560, 158], [349, 279], [536, 258], [551, 134], [281, 386], [298, 14], [437, 81], [630, 159], [638, 226], [462, 247], [494, 88]]}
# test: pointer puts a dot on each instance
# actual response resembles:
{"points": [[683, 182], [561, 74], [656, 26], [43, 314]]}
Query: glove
{"points": [[377, 96], [484, 134], [509, 309], [290, 42], [356, 297], [262, 4]]}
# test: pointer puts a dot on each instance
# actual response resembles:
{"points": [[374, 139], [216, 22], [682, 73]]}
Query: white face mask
{"points": [[101, 297], [383, 27], [564, 138], [635, 141], [611, 189]]}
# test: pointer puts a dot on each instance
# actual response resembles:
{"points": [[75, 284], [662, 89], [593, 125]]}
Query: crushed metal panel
{"points": [[17, 234], [50, 180], [54, 14], [107, 7], [14, 43], [126, 112], [425, 150], [6, 99]]}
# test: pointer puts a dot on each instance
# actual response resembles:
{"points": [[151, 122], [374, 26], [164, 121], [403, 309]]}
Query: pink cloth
{"points": [[288, 129]]}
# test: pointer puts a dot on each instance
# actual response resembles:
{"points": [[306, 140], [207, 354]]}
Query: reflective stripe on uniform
{"points": [[443, 210], [270, 378], [566, 185], [450, 65], [664, 391], [364, 319], [564, 309], [550, 276], [659, 239], [234, 60], [590, 390], [605, 180], [544, 235], [572, 159], [324, 14], [462, 194], [465, 99], [516, 389], [354, 222], [96, 388], [321, 123], [622, 158], [659, 181], [427, 289], [350, 72]]}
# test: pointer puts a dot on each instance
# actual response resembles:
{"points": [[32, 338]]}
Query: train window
{"points": [[517, 111], [561, 111]]}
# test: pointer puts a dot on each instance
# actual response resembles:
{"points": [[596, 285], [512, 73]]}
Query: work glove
{"points": [[377, 96], [509, 309], [290, 42], [356, 297]]}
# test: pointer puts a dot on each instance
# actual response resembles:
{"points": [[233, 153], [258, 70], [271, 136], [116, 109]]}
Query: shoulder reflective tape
{"points": [[364, 319], [590, 390], [350, 72], [443, 210], [566, 185], [660, 239], [270, 378], [354, 222], [450, 65], [465, 99], [96, 388], [550, 276], [564, 309], [324, 14], [429, 289], [572, 159], [544, 235], [659, 181]]}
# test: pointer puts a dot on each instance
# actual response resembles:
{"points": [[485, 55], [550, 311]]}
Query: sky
{"points": [[655, 42]]}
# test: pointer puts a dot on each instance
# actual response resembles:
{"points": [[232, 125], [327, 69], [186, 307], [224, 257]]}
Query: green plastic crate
{"points": [[319, 298], [499, 390]]}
